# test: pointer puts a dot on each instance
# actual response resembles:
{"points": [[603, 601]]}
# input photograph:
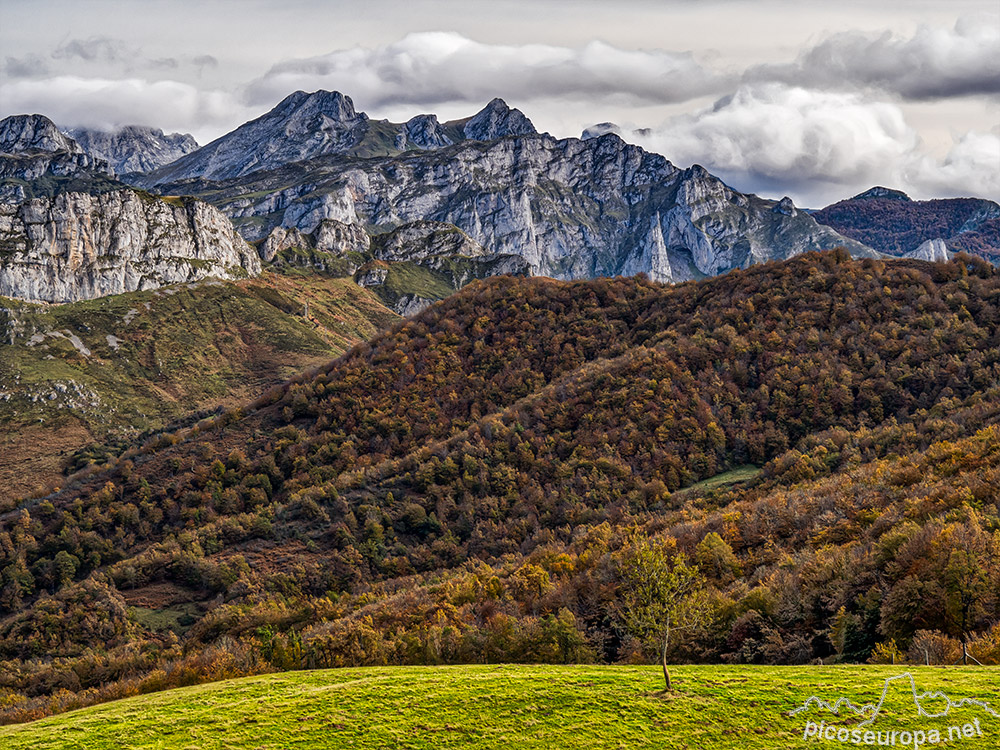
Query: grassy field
{"points": [[581, 707], [725, 479]]}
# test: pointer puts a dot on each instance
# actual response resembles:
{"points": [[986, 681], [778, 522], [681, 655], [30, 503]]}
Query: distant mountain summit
{"points": [[25, 133], [32, 149], [881, 192], [301, 126], [497, 120], [891, 222], [134, 148], [308, 125]]}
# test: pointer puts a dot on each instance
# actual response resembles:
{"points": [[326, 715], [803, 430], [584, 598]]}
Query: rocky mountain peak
{"points": [[785, 206], [31, 147], [21, 133], [882, 192], [332, 104], [497, 120], [134, 148], [301, 126]]}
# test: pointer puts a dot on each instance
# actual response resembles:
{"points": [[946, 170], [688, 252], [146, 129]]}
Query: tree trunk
{"points": [[663, 655]]}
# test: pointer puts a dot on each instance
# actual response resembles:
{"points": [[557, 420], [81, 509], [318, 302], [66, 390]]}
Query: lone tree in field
{"points": [[659, 593]]}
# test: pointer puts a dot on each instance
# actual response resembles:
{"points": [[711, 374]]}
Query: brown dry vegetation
{"points": [[465, 487]]}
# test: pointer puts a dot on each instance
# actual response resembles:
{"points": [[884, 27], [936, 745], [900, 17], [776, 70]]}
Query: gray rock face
{"points": [[339, 238], [497, 120], [330, 236], [786, 207], [421, 240], [79, 246], [31, 147], [134, 148], [932, 250], [423, 132], [302, 126], [20, 133], [569, 208], [281, 239]]}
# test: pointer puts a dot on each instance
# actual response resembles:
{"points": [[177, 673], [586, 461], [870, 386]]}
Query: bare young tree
{"points": [[659, 593]]}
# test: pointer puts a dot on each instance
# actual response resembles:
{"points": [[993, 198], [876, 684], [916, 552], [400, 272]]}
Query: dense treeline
{"points": [[464, 487]]}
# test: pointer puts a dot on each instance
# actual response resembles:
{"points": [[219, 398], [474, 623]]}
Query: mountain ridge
{"points": [[892, 223], [133, 148], [307, 125], [571, 208]]}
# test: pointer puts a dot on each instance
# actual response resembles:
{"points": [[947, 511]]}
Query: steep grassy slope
{"points": [[713, 708], [108, 369], [469, 486]]}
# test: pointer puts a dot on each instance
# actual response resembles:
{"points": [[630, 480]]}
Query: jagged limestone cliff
{"points": [[78, 246], [570, 208]]}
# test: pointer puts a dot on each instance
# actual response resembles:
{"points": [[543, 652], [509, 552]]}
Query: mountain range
{"points": [[566, 208]]}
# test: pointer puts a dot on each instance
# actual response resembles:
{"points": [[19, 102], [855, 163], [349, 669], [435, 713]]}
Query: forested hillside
{"points": [[892, 223], [816, 441]]}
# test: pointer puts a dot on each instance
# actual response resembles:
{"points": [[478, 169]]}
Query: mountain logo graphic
{"points": [[871, 711]]}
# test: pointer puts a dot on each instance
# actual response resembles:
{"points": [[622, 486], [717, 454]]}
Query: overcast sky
{"points": [[816, 100]]}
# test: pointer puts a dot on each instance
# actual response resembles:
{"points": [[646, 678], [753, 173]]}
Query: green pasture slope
{"points": [[508, 706]]}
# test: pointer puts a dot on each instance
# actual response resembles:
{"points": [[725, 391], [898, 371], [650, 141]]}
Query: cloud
{"points": [[818, 146], [105, 103], [431, 68], [971, 168], [25, 67], [934, 63], [773, 130], [204, 61], [95, 49]]}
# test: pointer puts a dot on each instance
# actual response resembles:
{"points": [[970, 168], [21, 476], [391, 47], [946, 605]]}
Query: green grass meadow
{"points": [[510, 706]]}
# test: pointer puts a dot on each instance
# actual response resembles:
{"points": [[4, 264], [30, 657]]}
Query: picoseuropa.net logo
{"points": [[934, 709]]}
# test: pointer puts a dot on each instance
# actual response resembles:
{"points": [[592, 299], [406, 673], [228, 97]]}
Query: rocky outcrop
{"points": [[421, 240], [497, 120], [79, 246], [423, 132], [21, 133], [134, 148], [31, 147], [330, 236], [932, 250]]}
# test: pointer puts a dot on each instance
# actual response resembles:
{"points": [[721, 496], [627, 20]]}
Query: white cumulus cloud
{"points": [[429, 68], [934, 63], [819, 146]]}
